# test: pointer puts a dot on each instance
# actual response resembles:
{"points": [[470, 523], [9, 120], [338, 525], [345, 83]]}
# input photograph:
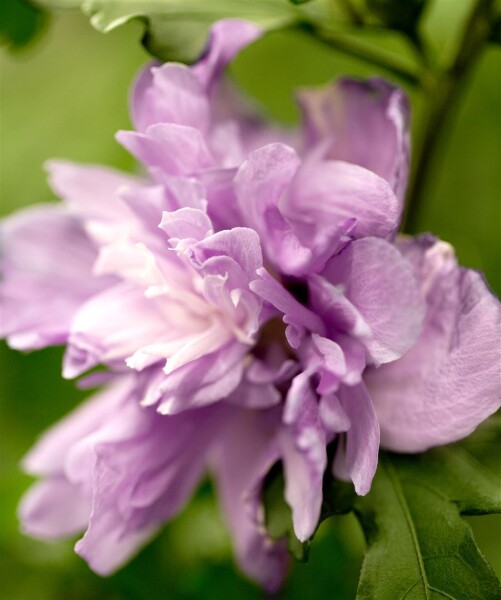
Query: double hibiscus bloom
{"points": [[252, 304]]}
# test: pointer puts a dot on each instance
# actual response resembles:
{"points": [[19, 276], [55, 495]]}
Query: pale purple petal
{"points": [[40, 291], [327, 194], [54, 508], [181, 191], [169, 93], [176, 149], [186, 224], [254, 396], [222, 205], [113, 206], [304, 456], [49, 455], [339, 314], [382, 286], [61, 504], [449, 382], [368, 124], [240, 244], [144, 468], [147, 205], [227, 38], [110, 327], [204, 381], [258, 388], [260, 183], [330, 365], [362, 438], [332, 415], [298, 317], [92, 192], [244, 455]]}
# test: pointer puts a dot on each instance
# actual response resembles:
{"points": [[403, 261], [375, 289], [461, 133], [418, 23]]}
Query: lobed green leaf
{"points": [[419, 546], [177, 29]]}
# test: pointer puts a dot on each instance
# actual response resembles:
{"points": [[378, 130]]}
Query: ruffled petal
{"points": [[48, 456], [169, 93], [227, 37], [91, 191], [46, 276], [110, 327], [304, 456], [298, 317], [360, 455], [326, 194], [368, 124], [204, 381], [448, 383], [140, 468], [246, 452], [260, 183], [175, 149], [381, 284]]}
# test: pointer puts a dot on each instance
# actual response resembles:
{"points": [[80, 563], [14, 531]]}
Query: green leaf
{"points": [[20, 22], [419, 547], [177, 29]]}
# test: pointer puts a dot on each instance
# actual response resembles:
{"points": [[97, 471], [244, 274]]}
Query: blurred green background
{"points": [[65, 96]]}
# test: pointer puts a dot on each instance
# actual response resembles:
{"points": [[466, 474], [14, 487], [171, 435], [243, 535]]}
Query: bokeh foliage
{"points": [[66, 97]]}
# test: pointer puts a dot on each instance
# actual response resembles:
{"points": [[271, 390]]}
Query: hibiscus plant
{"points": [[257, 306]]}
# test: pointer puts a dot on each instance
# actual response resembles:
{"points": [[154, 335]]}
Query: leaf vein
{"points": [[409, 590], [473, 461], [405, 509], [442, 593]]}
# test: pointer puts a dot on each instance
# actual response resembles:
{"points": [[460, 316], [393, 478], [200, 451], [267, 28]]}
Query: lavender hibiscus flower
{"points": [[252, 304]]}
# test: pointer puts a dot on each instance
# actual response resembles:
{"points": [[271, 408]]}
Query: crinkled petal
{"points": [[260, 183], [254, 396], [333, 416], [299, 318], [258, 388], [382, 286], [204, 381], [142, 477], [327, 194], [246, 452], [48, 456], [175, 149], [110, 327], [368, 123], [221, 198], [92, 192], [113, 206], [331, 363], [170, 93], [241, 244], [362, 438], [449, 382], [46, 276], [227, 38], [186, 224], [304, 456], [339, 314]]}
